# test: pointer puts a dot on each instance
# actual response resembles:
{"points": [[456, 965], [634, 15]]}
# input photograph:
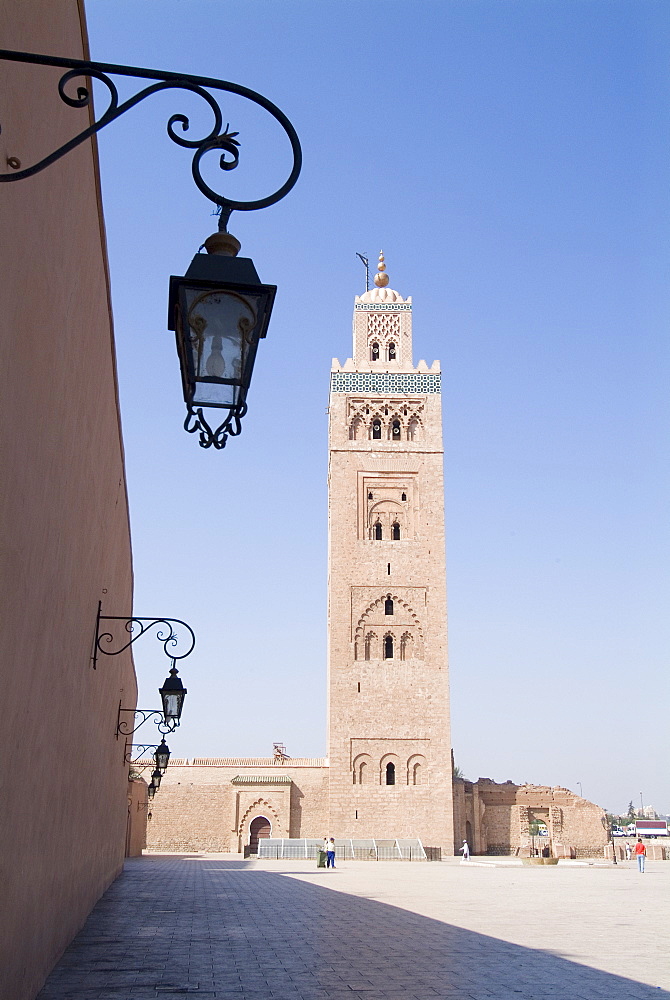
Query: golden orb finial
{"points": [[381, 279]]}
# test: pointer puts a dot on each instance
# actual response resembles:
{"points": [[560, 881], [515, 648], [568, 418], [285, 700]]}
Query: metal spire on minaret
{"points": [[381, 279]]}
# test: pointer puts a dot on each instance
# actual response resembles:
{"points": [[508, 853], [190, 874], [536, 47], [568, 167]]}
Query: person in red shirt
{"points": [[640, 852]]}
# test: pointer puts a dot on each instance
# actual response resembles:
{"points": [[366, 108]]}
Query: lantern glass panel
{"points": [[221, 328], [172, 704], [172, 695], [162, 756]]}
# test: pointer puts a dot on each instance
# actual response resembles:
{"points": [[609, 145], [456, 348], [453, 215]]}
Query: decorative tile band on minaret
{"points": [[386, 382], [389, 733]]}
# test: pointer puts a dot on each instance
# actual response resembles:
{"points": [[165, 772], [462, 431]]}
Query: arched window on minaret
{"points": [[395, 532], [377, 531], [415, 769], [405, 646], [390, 773], [374, 352], [388, 647], [395, 430], [355, 428], [413, 430], [388, 606], [376, 430], [391, 352], [360, 769], [369, 648]]}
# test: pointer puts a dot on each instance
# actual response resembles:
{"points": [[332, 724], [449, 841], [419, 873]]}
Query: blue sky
{"points": [[511, 159]]}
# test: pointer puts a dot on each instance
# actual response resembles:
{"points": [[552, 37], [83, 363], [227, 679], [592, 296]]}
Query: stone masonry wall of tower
{"points": [[389, 731]]}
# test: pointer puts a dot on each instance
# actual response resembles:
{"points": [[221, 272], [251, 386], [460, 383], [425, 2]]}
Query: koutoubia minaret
{"points": [[389, 735]]}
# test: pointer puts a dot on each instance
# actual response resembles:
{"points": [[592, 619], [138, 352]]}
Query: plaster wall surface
{"points": [[64, 526], [136, 829]]}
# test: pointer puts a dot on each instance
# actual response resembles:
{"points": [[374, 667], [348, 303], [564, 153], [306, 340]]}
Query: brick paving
{"points": [[215, 926]]}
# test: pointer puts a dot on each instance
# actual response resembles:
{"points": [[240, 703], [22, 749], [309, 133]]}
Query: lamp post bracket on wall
{"points": [[216, 139], [136, 627]]}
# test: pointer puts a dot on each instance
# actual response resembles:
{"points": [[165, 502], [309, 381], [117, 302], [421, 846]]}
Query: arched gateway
{"points": [[259, 829]]}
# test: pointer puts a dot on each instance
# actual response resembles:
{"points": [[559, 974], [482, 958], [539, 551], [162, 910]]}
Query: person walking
{"points": [[640, 853], [629, 852], [330, 847], [465, 850]]}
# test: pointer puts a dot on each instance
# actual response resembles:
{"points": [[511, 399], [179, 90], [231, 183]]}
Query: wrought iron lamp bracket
{"points": [[136, 627], [140, 749], [127, 728], [216, 139]]}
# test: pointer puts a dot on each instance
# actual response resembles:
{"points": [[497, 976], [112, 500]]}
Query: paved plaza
{"points": [[215, 926]]}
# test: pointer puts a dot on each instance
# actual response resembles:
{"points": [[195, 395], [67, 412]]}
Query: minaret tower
{"points": [[389, 736]]}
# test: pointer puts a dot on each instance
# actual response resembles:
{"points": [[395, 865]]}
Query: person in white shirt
{"points": [[465, 850]]}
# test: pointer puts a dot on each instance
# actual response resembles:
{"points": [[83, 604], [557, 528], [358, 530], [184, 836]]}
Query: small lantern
{"points": [[156, 779], [151, 790], [219, 311], [162, 756], [172, 695]]}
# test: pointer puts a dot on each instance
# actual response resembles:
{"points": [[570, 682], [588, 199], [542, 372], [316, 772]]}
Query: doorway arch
{"points": [[260, 828]]}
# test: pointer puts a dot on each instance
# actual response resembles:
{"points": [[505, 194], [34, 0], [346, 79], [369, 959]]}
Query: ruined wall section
{"points": [[504, 819]]}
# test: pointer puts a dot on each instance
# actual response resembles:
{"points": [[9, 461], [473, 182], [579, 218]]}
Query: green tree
{"points": [[631, 812]]}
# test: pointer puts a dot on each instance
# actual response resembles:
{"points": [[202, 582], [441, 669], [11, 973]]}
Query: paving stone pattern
{"points": [[212, 926]]}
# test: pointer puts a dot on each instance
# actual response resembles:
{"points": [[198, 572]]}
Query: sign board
{"points": [[651, 828]]}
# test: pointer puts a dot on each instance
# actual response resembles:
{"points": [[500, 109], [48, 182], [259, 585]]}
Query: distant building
{"points": [[388, 773]]}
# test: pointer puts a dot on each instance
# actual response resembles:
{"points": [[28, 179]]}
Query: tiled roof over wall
{"points": [[242, 762]]}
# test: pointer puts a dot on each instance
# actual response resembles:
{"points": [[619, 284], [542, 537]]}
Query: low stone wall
{"points": [[655, 851]]}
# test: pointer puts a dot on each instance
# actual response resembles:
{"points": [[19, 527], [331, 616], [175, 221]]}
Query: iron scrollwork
{"points": [[231, 427], [139, 749], [127, 728], [216, 139], [136, 627]]}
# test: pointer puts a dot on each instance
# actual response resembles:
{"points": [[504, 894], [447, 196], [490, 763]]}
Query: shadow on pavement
{"points": [[217, 930]]}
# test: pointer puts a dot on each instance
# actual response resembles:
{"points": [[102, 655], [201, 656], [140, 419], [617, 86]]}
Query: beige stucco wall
{"points": [[64, 523], [199, 809], [136, 826]]}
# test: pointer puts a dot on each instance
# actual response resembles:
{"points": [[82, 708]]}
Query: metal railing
{"points": [[398, 849]]}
